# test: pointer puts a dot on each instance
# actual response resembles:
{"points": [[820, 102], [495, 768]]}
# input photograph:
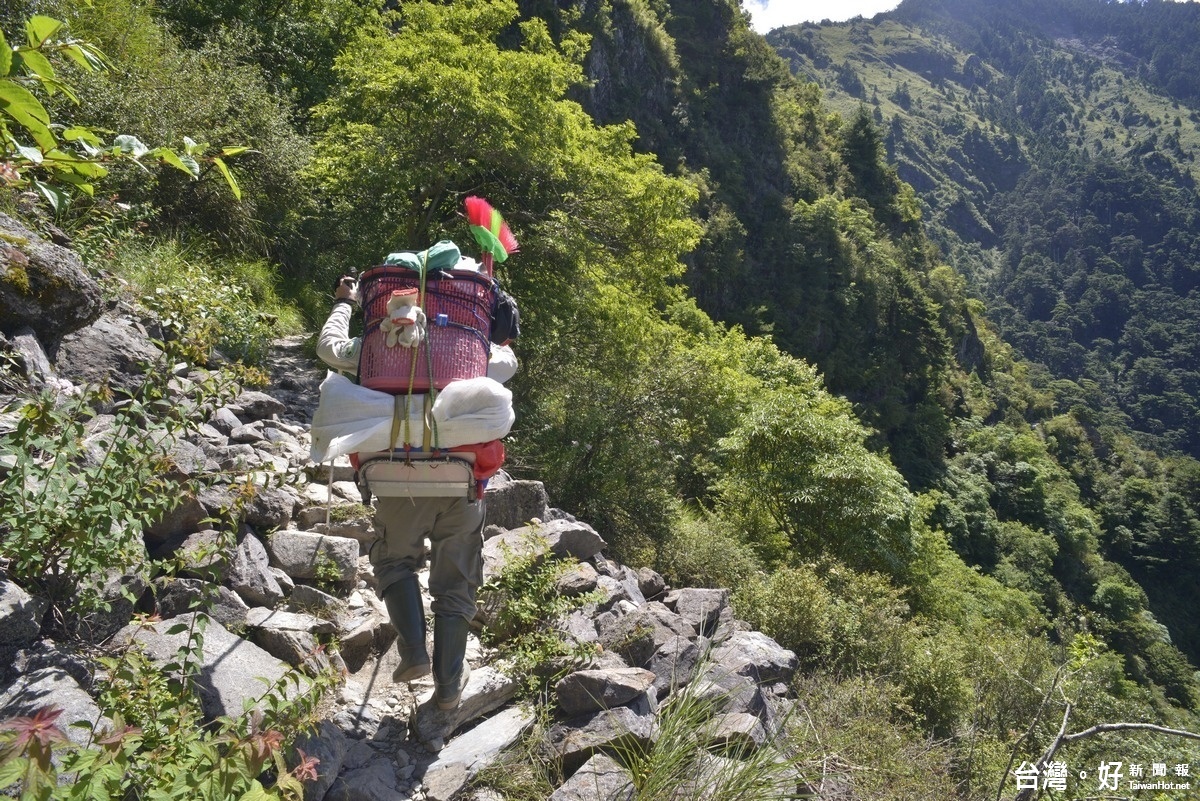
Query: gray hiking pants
{"points": [[454, 527]]}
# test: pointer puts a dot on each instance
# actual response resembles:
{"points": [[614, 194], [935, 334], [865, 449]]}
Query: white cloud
{"points": [[766, 15]]}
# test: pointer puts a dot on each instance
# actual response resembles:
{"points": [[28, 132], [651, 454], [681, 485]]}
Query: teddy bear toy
{"points": [[405, 321]]}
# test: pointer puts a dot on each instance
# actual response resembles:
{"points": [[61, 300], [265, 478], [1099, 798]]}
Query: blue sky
{"points": [[766, 15]]}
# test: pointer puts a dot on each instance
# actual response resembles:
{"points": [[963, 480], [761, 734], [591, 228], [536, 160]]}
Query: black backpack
{"points": [[506, 318]]}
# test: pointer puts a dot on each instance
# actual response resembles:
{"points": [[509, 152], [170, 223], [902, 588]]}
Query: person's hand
{"points": [[347, 288]]}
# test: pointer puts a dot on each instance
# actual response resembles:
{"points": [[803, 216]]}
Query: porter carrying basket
{"points": [[458, 307]]}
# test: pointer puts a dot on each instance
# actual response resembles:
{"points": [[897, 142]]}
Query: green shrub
{"points": [[159, 745], [702, 551], [851, 733], [214, 93], [934, 679], [792, 606], [207, 302], [869, 622], [74, 507], [521, 606]]}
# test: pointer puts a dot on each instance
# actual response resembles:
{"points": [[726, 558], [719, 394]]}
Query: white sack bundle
{"points": [[351, 418]]}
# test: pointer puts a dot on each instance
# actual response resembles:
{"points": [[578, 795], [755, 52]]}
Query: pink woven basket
{"points": [[458, 310]]}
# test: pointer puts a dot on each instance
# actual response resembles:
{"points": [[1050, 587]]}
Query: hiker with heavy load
{"points": [[423, 428]]}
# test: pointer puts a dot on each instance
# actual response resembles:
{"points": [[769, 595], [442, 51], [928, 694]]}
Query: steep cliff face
{"points": [[635, 74]]}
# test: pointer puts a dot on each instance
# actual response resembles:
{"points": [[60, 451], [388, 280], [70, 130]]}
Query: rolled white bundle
{"points": [[351, 418]]}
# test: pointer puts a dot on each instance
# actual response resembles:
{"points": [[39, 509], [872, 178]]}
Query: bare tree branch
{"points": [[1100, 728], [1029, 733], [1105, 727], [1045, 758]]}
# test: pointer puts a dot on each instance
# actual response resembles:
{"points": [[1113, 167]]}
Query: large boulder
{"points": [[53, 687], [475, 750], [600, 779], [563, 539], [592, 690], [303, 554], [514, 503], [111, 350], [232, 670], [43, 286]]}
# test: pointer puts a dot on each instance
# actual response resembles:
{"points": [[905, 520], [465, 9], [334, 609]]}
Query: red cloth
{"points": [[489, 457]]}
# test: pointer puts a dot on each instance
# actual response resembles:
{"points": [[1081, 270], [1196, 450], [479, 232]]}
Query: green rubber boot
{"points": [[450, 668], [403, 601]]}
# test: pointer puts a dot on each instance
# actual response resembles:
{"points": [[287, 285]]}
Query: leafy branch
{"points": [[53, 158]]}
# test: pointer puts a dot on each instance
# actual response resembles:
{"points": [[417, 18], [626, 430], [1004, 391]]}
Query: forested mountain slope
{"points": [[1053, 146]]}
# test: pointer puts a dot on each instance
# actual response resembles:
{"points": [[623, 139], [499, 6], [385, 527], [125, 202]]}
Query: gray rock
{"points": [[376, 781], [54, 687], [622, 587], [230, 669], [579, 580], [38, 369], [652, 584], [348, 491], [360, 528], [514, 504], [303, 554], [186, 517], [487, 690], [111, 350], [252, 405], [674, 664], [188, 460], [114, 589], [43, 286], [249, 434], [559, 538], [579, 626], [298, 648], [20, 615], [738, 732], [235, 457], [592, 690], [342, 471], [250, 575], [360, 721], [359, 642], [211, 435], [601, 778], [473, 751], [316, 602], [574, 741], [727, 692], [261, 618], [754, 654], [637, 636], [328, 745], [218, 500], [283, 580], [271, 507], [224, 420], [701, 608], [202, 557], [180, 596]]}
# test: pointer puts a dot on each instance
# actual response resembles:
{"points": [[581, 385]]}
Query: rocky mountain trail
{"points": [[299, 580]]}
